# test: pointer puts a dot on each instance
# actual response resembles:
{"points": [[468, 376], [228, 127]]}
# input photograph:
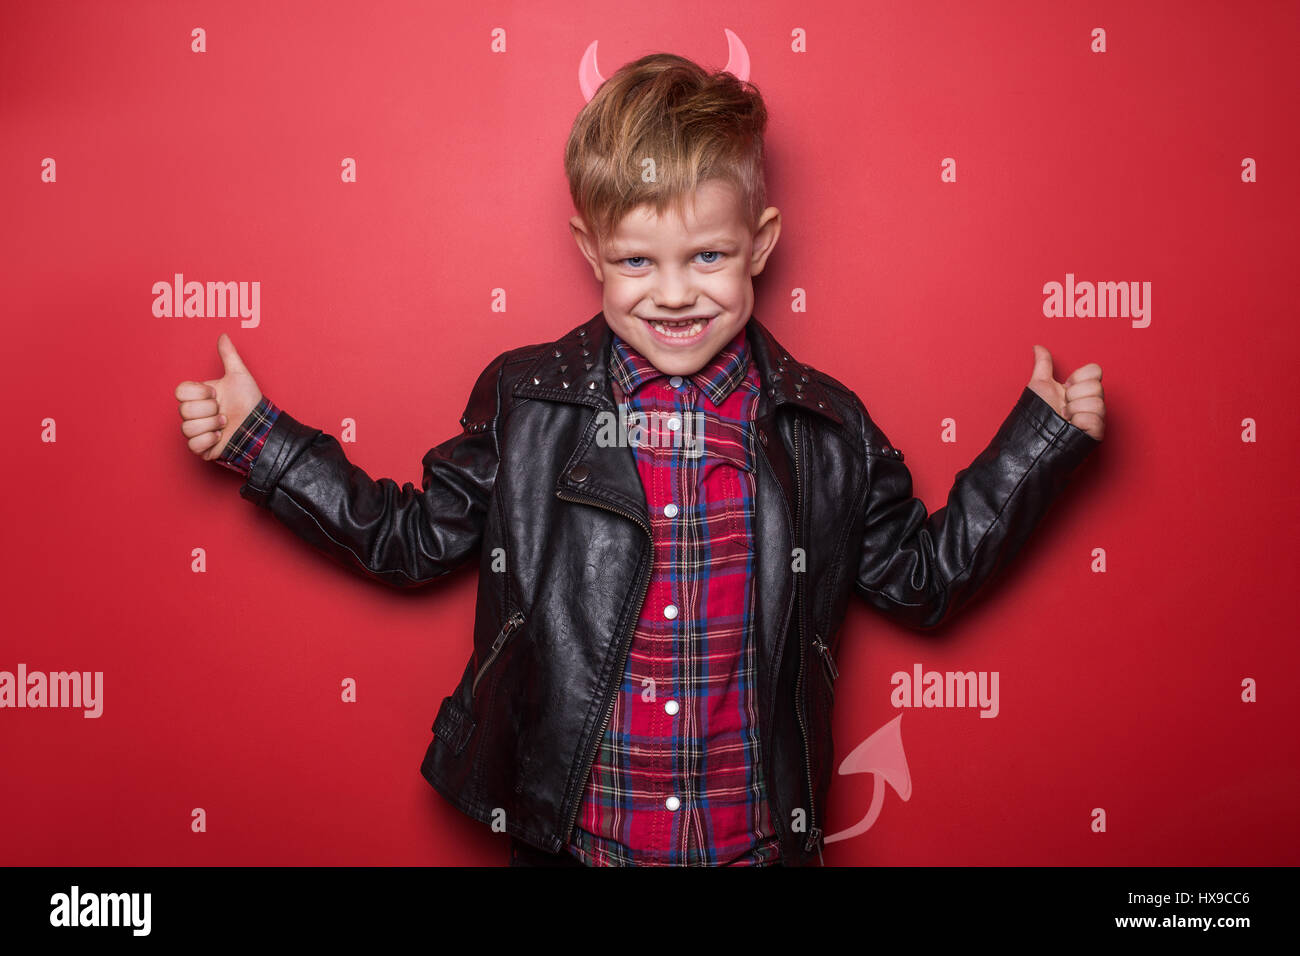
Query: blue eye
{"points": [[631, 262]]}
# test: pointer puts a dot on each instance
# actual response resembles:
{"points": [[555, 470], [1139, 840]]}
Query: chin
{"points": [[676, 364]]}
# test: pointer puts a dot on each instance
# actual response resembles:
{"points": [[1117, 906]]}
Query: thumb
{"points": [[1042, 365], [230, 359]]}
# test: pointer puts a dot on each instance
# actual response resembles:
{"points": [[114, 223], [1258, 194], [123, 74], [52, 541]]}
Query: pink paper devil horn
{"points": [[589, 78], [737, 57]]}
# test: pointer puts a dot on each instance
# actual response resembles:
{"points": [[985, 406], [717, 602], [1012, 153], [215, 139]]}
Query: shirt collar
{"points": [[717, 379]]}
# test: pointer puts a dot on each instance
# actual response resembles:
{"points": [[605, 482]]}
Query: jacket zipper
{"points": [[785, 623], [814, 831], [618, 673], [503, 635]]}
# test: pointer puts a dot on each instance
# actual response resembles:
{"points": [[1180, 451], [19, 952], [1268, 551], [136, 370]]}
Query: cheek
{"points": [[733, 288], [619, 290]]}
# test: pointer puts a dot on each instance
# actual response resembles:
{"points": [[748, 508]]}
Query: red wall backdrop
{"points": [[1119, 690]]}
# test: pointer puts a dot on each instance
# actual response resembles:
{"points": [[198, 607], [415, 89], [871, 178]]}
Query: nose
{"points": [[673, 289]]}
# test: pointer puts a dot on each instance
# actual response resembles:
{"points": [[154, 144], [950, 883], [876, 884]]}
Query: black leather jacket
{"points": [[559, 525]]}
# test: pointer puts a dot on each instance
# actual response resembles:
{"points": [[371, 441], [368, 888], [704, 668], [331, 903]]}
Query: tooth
{"points": [[681, 329]]}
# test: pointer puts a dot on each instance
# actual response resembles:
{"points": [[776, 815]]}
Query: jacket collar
{"points": [[575, 368]]}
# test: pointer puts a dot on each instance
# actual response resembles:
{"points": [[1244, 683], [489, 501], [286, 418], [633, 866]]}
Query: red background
{"points": [[1118, 690]]}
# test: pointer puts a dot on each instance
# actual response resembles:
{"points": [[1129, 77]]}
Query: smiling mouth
{"points": [[687, 328]]}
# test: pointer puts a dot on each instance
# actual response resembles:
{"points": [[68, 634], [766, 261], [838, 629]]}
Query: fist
{"points": [[1079, 399], [212, 410]]}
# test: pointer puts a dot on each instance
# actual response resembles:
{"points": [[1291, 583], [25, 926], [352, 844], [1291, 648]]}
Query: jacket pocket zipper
{"points": [[829, 669], [511, 625]]}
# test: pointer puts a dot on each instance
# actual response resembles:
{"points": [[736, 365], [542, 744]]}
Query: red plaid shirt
{"points": [[677, 779]]}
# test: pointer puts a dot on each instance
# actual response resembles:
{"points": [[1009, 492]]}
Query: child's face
{"points": [[666, 268]]}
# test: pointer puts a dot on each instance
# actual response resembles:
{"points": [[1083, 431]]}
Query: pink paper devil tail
{"points": [[882, 756]]}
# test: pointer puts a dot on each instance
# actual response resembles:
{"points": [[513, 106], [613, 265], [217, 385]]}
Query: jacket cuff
{"points": [[287, 438], [1068, 444]]}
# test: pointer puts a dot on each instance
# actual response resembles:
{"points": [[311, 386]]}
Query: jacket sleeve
{"points": [[400, 535], [920, 569]]}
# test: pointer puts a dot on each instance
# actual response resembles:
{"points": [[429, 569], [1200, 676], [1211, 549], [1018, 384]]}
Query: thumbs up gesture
{"points": [[1079, 399], [212, 410]]}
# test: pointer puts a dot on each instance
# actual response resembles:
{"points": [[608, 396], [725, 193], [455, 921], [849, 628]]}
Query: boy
{"points": [[653, 667]]}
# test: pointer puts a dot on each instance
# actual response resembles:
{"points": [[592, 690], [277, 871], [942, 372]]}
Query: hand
{"points": [[212, 410], [1079, 399]]}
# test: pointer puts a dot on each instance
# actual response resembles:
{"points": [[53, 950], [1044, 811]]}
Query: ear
{"points": [[587, 245], [765, 237]]}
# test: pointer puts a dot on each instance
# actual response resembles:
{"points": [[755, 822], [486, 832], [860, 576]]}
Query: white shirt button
{"points": [[670, 611], [674, 423], [676, 381], [671, 708], [672, 803], [670, 511]]}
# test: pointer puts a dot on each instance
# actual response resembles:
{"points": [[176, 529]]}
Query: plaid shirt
{"points": [[242, 449], [677, 779]]}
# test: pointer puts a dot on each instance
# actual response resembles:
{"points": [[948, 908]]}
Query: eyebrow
{"points": [[621, 249]]}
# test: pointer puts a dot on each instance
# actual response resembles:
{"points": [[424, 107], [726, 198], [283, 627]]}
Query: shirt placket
{"points": [[673, 716]]}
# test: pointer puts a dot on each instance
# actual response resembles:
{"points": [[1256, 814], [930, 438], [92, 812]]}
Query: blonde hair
{"points": [[695, 126]]}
